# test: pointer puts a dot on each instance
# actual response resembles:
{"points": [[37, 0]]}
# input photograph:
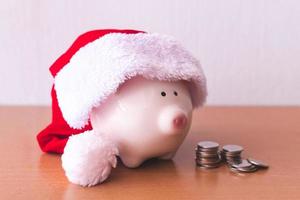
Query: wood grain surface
{"points": [[271, 134]]}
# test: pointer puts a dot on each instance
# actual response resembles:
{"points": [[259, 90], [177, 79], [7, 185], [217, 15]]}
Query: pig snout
{"points": [[180, 121], [172, 120]]}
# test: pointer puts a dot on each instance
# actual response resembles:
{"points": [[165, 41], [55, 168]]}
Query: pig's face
{"points": [[145, 118]]}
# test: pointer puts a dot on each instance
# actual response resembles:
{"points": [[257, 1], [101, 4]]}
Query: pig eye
{"points": [[163, 93], [175, 93]]}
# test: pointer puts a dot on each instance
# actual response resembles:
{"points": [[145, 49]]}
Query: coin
{"points": [[232, 148], [208, 158], [243, 164], [208, 145], [204, 166], [227, 154], [207, 155], [236, 161], [250, 169], [207, 161], [258, 163]]}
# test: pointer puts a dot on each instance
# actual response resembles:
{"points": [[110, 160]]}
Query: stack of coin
{"points": [[207, 155], [232, 154]]}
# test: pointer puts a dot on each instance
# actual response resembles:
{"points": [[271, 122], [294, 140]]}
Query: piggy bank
{"points": [[120, 93], [145, 119]]}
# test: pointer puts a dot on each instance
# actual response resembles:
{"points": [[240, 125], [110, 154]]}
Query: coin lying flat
{"points": [[235, 161], [215, 158], [204, 155], [208, 145], [204, 166], [247, 170], [258, 163], [232, 148], [208, 161], [243, 164]]}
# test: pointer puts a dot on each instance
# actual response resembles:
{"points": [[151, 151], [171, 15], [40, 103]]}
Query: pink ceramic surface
{"points": [[145, 119]]}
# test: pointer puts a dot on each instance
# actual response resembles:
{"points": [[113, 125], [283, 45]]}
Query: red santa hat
{"points": [[98, 62]]}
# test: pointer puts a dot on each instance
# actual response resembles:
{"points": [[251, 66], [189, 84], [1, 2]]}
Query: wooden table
{"points": [[271, 134]]}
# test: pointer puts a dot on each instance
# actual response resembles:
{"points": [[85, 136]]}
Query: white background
{"points": [[250, 50]]}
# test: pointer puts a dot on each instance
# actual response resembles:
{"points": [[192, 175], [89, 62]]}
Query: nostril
{"points": [[180, 121]]}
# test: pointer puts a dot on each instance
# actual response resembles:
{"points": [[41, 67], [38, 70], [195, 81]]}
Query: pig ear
{"points": [[92, 116], [88, 158], [198, 93]]}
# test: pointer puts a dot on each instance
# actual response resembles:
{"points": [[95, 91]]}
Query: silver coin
{"points": [[250, 169], [234, 162], [232, 158], [234, 169], [213, 161], [232, 148], [207, 162], [207, 155], [208, 151], [241, 170], [244, 164], [232, 154], [208, 166], [209, 159], [258, 163], [207, 145]]}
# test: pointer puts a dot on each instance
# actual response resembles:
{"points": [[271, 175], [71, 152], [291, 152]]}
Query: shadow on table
{"points": [[150, 175]]}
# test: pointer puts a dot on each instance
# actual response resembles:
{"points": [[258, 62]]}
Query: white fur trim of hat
{"points": [[97, 69]]}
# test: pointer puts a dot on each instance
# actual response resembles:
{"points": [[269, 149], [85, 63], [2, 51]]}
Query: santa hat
{"points": [[97, 63]]}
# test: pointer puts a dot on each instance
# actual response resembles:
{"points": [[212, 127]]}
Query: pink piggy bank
{"points": [[145, 119], [120, 93]]}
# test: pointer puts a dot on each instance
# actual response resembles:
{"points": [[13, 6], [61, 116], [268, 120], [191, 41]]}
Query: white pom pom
{"points": [[88, 158]]}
